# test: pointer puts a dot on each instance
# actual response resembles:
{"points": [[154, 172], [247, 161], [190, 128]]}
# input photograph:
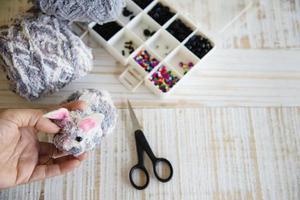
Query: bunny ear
{"points": [[91, 122], [60, 114]]}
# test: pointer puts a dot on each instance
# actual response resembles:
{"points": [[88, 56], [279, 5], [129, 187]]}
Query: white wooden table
{"points": [[231, 133]]}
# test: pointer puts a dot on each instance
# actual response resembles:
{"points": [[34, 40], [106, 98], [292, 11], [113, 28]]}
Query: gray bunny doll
{"points": [[80, 130]]}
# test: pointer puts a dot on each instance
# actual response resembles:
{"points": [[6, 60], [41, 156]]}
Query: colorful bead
{"points": [[186, 66], [145, 60], [164, 79]]}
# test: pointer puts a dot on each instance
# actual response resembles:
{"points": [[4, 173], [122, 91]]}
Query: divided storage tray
{"points": [[159, 45]]}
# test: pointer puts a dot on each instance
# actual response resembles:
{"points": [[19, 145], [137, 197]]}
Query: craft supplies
{"points": [[146, 60], [107, 30], [186, 66], [144, 27], [199, 45], [179, 30], [100, 11], [82, 130], [129, 46], [139, 171], [143, 3], [162, 43], [148, 33], [161, 13], [128, 13], [126, 44], [41, 55], [164, 78], [160, 33]]}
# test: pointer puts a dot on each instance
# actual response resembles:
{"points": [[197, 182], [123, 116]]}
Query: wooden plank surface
{"points": [[248, 152], [230, 77], [268, 76], [217, 153]]}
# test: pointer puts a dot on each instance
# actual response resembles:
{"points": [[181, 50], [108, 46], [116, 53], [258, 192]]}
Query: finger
{"points": [[45, 125], [45, 171], [48, 152], [75, 105], [68, 157], [49, 149], [31, 118], [83, 156]]}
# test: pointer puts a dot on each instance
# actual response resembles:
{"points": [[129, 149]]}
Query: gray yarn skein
{"points": [[41, 55], [100, 11]]}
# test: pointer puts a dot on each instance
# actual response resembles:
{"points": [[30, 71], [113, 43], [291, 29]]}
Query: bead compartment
{"points": [[181, 28], [163, 43], [199, 45], [122, 41], [129, 12], [154, 88], [182, 55], [146, 59], [164, 78], [142, 23], [107, 30], [135, 75], [143, 3], [161, 13]]}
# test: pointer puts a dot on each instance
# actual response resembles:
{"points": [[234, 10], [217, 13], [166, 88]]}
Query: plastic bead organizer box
{"points": [[159, 45]]}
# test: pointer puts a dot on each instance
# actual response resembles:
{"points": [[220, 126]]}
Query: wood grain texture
{"points": [[228, 78], [249, 152], [268, 76], [217, 153]]}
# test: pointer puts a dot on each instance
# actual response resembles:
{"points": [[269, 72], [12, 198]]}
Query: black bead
{"points": [[147, 32], [143, 3], [199, 45], [126, 12], [78, 139], [107, 30], [129, 42], [131, 50], [179, 30], [161, 13]]}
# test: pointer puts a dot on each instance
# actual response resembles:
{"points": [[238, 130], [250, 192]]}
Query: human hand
{"points": [[23, 158]]}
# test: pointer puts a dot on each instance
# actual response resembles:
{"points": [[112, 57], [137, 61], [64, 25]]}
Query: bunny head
{"points": [[78, 133]]}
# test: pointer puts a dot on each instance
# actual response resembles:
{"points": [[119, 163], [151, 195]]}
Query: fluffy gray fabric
{"points": [[41, 55], [98, 101], [100, 11]]}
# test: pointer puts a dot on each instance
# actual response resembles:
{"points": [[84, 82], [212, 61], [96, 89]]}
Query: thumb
{"points": [[30, 118]]}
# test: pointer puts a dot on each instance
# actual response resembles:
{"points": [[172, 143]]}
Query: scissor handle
{"points": [[168, 164], [143, 170]]}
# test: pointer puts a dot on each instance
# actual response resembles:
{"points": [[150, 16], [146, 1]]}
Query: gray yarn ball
{"points": [[100, 11], [41, 55]]}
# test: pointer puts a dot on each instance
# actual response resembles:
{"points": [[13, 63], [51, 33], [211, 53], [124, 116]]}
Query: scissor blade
{"points": [[134, 120]]}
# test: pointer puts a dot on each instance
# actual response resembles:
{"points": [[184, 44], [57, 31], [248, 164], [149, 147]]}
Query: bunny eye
{"points": [[78, 139]]}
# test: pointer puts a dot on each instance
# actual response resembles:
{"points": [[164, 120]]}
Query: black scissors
{"points": [[141, 146]]}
